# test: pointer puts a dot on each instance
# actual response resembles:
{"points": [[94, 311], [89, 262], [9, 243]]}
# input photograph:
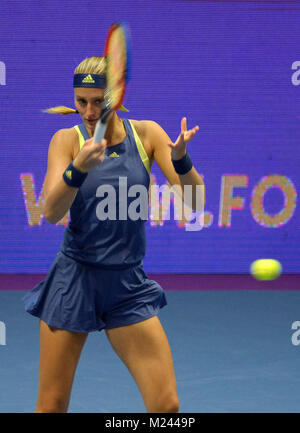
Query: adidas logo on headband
{"points": [[88, 79]]}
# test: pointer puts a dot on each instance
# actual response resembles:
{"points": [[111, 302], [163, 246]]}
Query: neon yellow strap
{"points": [[81, 138], [141, 150]]}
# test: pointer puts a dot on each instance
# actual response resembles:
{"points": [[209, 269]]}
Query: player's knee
{"points": [[52, 404], [168, 403], [171, 405]]}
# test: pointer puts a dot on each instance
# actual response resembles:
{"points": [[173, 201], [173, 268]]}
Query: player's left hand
{"points": [[178, 149]]}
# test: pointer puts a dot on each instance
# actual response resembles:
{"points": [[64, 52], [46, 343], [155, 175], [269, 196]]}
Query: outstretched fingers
{"points": [[183, 125]]}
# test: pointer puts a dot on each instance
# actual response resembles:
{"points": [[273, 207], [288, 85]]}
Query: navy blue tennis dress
{"points": [[96, 280]]}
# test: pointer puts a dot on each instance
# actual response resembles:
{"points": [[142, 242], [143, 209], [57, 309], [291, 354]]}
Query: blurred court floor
{"points": [[232, 351]]}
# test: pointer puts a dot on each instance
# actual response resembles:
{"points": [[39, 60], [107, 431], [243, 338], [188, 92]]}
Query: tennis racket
{"points": [[118, 56]]}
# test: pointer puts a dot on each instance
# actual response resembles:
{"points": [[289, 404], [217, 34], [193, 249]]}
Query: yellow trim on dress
{"points": [[80, 136], [141, 149]]}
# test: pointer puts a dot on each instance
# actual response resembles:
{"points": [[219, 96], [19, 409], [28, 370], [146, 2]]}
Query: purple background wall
{"points": [[230, 67]]}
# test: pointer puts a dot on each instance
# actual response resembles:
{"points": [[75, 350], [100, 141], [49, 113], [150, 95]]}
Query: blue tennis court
{"points": [[232, 350]]}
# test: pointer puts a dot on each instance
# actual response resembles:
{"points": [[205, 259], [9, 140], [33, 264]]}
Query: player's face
{"points": [[88, 102]]}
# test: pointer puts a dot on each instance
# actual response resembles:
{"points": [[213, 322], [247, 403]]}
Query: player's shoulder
{"points": [[66, 138], [145, 128], [69, 133]]}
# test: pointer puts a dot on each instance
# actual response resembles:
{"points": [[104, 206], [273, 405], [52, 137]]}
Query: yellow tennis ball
{"points": [[265, 269]]}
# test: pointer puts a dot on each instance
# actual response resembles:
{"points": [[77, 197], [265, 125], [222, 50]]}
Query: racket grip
{"points": [[99, 131]]}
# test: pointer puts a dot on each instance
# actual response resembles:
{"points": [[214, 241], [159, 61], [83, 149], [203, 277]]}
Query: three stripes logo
{"points": [[114, 155], [88, 79]]}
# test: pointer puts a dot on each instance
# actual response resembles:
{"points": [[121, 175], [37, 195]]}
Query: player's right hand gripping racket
{"points": [[118, 55]]}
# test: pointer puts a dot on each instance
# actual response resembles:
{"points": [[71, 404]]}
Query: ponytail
{"points": [[60, 110]]}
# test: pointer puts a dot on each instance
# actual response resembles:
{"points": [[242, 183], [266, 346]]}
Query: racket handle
{"points": [[101, 125], [99, 131]]}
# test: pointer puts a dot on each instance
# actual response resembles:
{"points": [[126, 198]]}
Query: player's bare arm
{"points": [[57, 195]]}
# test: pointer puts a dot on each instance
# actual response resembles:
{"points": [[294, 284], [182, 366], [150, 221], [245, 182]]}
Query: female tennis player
{"points": [[96, 280]]}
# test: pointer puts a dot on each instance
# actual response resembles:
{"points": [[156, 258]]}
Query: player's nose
{"points": [[90, 110]]}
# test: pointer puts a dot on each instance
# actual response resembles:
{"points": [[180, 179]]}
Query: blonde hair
{"points": [[90, 65]]}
